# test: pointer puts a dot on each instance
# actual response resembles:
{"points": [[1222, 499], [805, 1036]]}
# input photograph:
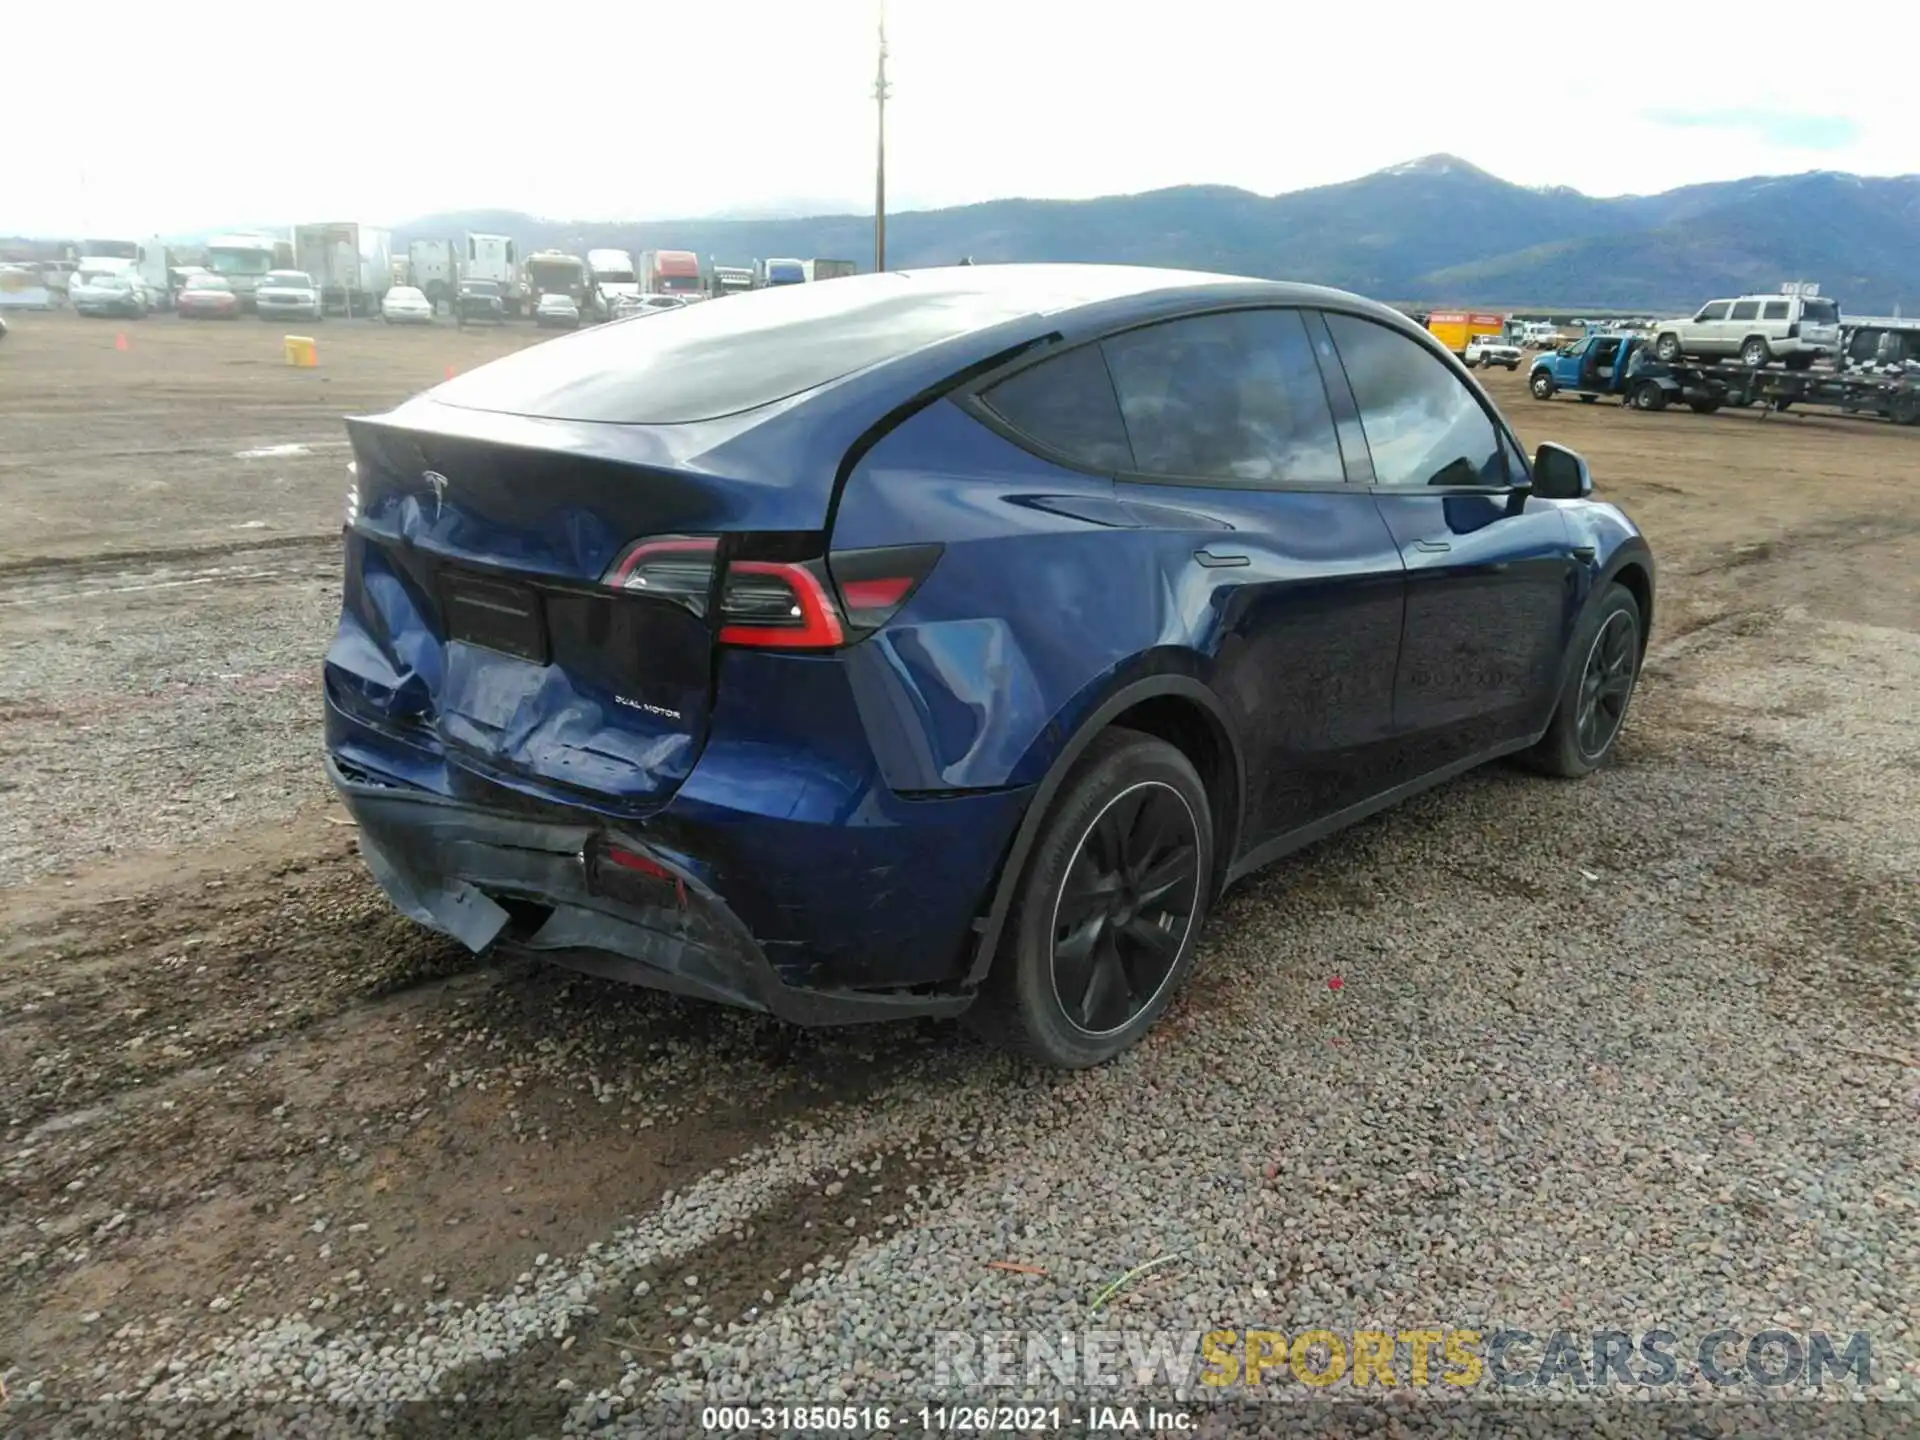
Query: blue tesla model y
{"points": [[947, 641]]}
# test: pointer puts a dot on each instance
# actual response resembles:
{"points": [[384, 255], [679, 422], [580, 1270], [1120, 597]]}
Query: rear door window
{"points": [[1423, 425], [1067, 405], [1232, 398], [1747, 310]]}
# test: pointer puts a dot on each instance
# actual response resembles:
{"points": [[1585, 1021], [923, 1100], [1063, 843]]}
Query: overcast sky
{"points": [[218, 114]]}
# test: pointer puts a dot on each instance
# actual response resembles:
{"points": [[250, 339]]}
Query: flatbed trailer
{"points": [[1708, 387]]}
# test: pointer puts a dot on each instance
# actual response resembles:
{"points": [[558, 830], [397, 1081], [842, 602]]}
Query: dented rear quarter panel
{"points": [[1036, 613]]}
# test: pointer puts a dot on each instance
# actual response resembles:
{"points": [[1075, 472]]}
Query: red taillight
{"points": [[876, 594], [779, 604], [639, 864], [677, 568], [776, 603], [874, 584], [632, 876]]}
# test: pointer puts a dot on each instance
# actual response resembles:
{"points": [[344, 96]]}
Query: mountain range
{"points": [[1435, 231]]}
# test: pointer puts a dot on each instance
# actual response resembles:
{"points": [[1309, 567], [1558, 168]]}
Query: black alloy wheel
{"points": [[1597, 690], [1122, 917], [1606, 684], [1108, 907]]}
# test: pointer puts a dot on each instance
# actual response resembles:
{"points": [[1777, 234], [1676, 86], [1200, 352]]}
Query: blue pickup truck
{"points": [[1618, 365]]}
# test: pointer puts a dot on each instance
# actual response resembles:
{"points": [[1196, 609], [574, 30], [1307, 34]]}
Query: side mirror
{"points": [[1560, 474]]}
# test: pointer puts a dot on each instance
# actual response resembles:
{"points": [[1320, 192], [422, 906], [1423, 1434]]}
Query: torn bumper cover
{"points": [[577, 895]]}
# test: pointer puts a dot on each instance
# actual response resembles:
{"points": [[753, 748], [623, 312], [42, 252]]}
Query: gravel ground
{"points": [[1628, 1054]]}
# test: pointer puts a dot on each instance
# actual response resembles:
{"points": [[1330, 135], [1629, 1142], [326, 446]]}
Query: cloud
{"points": [[1784, 129], [691, 114]]}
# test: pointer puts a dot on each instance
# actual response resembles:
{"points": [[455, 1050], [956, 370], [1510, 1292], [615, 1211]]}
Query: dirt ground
{"points": [[237, 1086]]}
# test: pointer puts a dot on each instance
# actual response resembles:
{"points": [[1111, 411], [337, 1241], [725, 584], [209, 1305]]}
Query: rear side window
{"points": [[1776, 310], [1067, 405], [1423, 426], [1746, 310], [700, 362], [1233, 397]]}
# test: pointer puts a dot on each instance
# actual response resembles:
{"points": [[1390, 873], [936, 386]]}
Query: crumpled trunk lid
{"points": [[475, 620]]}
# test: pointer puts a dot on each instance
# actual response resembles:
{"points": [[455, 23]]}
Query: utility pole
{"points": [[880, 153]]}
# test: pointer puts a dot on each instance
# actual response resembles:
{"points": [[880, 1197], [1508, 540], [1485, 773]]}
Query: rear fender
{"points": [[1124, 695]]}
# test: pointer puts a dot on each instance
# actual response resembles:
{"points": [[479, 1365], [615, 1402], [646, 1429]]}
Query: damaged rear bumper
{"points": [[545, 886]]}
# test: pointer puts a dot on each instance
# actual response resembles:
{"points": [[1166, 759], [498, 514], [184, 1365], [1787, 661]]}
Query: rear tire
{"points": [[1649, 396], [1593, 706], [1132, 829]]}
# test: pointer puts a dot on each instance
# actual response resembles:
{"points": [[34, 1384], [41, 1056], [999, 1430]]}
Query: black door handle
{"points": [[1432, 547], [1220, 559], [1584, 552]]}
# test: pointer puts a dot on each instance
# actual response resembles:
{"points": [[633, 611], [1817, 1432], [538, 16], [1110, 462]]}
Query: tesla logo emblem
{"points": [[437, 483]]}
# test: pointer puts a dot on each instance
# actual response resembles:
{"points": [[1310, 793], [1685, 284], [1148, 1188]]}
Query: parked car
{"points": [[1491, 350], [111, 293], [629, 305], [406, 305], [480, 303], [556, 311], [1794, 329], [208, 297], [288, 295], [948, 640]]}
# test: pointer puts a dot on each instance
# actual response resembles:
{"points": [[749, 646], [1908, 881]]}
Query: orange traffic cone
{"points": [[120, 341]]}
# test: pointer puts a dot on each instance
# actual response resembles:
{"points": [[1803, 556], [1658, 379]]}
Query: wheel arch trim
{"points": [[1633, 556], [992, 923]]}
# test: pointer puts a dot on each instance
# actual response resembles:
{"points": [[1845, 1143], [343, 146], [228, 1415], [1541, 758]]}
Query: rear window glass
{"points": [[699, 362], [1067, 404], [1820, 312]]}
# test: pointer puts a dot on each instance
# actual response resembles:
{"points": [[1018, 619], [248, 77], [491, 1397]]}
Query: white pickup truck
{"points": [[1491, 350]]}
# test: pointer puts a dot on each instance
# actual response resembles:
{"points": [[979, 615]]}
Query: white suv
{"points": [[1492, 350], [1795, 329]]}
